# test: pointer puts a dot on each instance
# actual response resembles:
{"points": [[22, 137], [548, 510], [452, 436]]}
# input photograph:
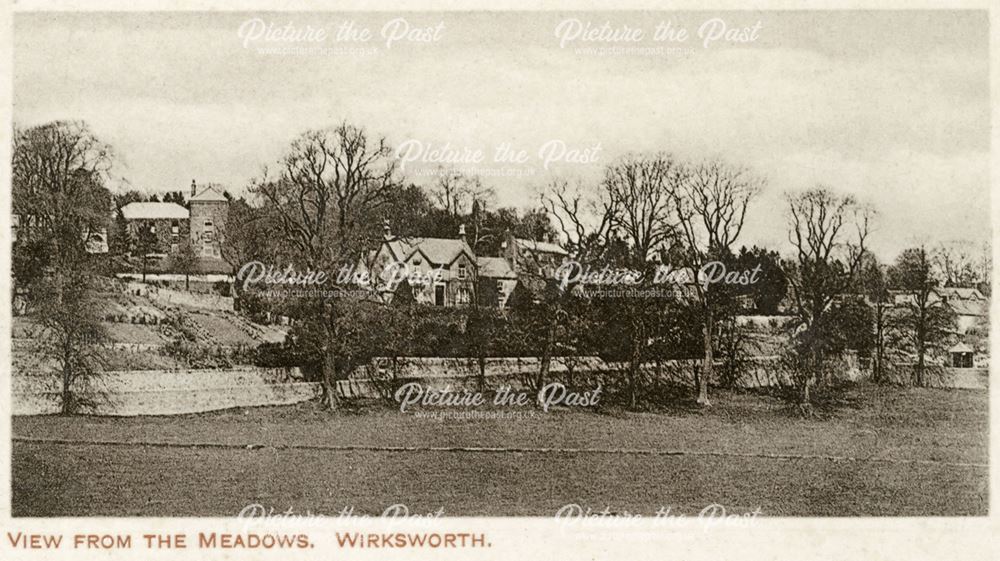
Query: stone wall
{"points": [[464, 373], [165, 392]]}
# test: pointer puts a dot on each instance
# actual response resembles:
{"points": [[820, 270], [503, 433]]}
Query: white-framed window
{"points": [[462, 272], [463, 296], [175, 228]]}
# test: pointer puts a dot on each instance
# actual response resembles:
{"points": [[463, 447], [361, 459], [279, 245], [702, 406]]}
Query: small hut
{"points": [[961, 355]]}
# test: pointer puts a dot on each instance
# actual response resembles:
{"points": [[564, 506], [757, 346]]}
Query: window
{"points": [[173, 247], [175, 228], [462, 272], [207, 236], [152, 228], [463, 296]]}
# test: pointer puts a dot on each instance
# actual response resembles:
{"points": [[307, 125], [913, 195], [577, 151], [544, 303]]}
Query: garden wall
{"points": [[165, 392], [464, 373]]}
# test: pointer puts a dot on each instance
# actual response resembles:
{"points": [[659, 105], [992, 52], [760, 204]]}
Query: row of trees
{"points": [[324, 205]]}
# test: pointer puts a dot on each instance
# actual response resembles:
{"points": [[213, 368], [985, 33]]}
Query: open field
{"points": [[880, 451]]}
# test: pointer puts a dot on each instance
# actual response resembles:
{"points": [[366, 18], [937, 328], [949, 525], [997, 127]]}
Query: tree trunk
{"points": [[546, 359], [706, 366], [67, 379], [330, 399], [633, 370], [879, 344], [482, 373], [920, 363]]}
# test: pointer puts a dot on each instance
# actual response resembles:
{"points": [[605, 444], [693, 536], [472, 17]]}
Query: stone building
{"points": [[160, 228], [208, 210], [157, 228], [447, 272]]}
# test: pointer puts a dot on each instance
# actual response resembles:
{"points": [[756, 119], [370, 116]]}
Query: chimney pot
{"points": [[194, 188]]}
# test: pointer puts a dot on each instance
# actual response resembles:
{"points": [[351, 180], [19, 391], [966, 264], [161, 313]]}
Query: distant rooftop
{"points": [[495, 268], [210, 194], [961, 348], [543, 247], [154, 211]]}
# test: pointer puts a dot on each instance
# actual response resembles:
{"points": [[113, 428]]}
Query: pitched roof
{"points": [[963, 293], [968, 307], [960, 348], [542, 247], [440, 251], [496, 268], [153, 211], [209, 194]]}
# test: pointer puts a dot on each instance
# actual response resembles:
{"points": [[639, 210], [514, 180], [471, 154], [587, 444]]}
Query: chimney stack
{"points": [[461, 232], [386, 230], [194, 188]]}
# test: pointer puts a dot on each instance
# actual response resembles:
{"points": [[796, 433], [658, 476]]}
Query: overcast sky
{"points": [[891, 106]]}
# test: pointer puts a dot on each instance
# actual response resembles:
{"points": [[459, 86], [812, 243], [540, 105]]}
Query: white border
{"points": [[903, 539]]}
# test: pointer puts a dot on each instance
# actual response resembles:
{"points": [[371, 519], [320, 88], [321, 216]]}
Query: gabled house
{"points": [[440, 271], [447, 272], [971, 306], [497, 279], [530, 257]]}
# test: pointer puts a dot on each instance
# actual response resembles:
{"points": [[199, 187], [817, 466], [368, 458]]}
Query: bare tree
{"points": [[456, 192], [957, 264], [332, 182], [585, 221], [58, 177], [627, 221], [828, 232], [875, 286], [185, 261], [925, 318], [642, 190], [326, 201], [711, 206]]}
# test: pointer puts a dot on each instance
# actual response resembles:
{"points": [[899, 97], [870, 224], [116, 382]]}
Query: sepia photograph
{"points": [[698, 268]]}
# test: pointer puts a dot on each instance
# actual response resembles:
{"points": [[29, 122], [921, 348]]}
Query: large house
{"points": [[447, 272], [167, 225], [971, 307]]}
